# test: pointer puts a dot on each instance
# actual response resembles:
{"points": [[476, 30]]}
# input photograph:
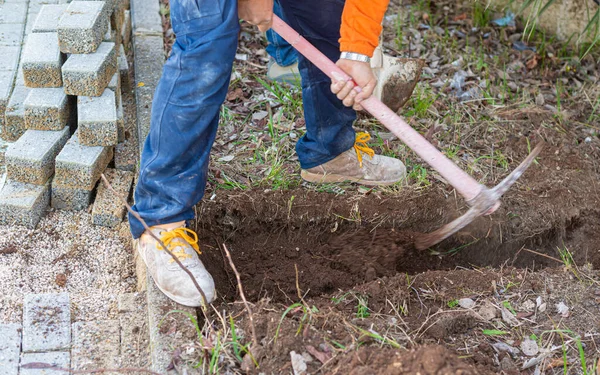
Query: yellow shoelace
{"points": [[176, 237], [360, 145]]}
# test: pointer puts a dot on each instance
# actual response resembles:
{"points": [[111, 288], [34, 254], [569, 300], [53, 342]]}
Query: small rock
{"points": [[539, 99], [509, 318], [507, 365], [528, 305], [562, 309], [466, 303], [487, 311], [298, 363], [529, 347]]}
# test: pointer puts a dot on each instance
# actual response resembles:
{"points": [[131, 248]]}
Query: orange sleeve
{"points": [[361, 25]]}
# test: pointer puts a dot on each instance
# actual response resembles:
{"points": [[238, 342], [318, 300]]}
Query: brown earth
{"points": [[319, 245]]}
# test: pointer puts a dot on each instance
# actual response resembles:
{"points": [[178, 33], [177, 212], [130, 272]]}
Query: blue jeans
{"points": [[195, 80], [278, 48]]}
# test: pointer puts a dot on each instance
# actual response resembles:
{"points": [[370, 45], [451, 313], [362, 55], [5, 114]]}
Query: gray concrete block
{"points": [[89, 74], [23, 204], [47, 19], [11, 34], [14, 118], [46, 322], [47, 109], [146, 17], [82, 26], [42, 61], [115, 86], [96, 345], [13, 12], [97, 120], [69, 199], [58, 359], [10, 347], [31, 158], [126, 29], [7, 79], [126, 155], [149, 60], [78, 166], [124, 69], [109, 6], [3, 147], [134, 331], [108, 210], [120, 121], [10, 57]]}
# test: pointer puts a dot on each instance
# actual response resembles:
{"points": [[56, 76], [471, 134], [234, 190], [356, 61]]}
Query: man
{"points": [[185, 115], [283, 58]]}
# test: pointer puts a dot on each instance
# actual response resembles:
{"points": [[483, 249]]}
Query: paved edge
{"points": [[149, 58]]}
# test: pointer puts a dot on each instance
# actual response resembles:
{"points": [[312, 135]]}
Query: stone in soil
{"points": [[82, 26], [47, 109], [89, 74], [97, 120], [47, 19], [23, 204], [10, 348], [6, 84], [79, 166], [14, 118], [70, 199], [108, 209], [46, 322], [96, 344], [58, 359], [31, 158], [11, 34], [13, 12], [42, 61]]}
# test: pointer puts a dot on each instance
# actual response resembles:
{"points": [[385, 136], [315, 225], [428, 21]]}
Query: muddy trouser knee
{"points": [[329, 129], [185, 112]]}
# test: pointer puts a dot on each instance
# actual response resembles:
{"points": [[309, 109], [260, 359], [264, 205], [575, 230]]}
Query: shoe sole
{"points": [[184, 302], [336, 178]]}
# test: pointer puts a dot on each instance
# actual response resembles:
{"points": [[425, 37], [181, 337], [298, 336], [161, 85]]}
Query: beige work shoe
{"points": [[351, 165], [283, 74], [170, 278]]}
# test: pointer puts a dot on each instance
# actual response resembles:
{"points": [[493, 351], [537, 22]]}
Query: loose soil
{"points": [[321, 246]]}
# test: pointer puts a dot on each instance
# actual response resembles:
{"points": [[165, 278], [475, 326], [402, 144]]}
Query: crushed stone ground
{"points": [[66, 253]]}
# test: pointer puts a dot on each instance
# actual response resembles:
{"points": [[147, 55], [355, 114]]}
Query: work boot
{"points": [[283, 74], [170, 278], [351, 165]]}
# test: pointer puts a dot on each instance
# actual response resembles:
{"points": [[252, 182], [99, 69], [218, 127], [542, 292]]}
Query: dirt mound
{"points": [[426, 360]]}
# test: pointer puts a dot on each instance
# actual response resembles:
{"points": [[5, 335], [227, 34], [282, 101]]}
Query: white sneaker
{"points": [[170, 278], [283, 74]]}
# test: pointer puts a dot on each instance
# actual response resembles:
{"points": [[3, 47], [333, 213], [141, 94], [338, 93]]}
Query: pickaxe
{"points": [[482, 201]]}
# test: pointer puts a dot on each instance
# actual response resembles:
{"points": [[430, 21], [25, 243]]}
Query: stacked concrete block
{"points": [[82, 26], [42, 61], [14, 118], [89, 74], [48, 17], [108, 209], [115, 86], [23, 204], [6, 83], [47, 109], [78, 170], [97, 120], [126, 29], [31, 158], [124, 69]]}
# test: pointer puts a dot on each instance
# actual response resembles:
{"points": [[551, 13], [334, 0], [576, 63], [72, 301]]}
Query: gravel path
{"points": [[66, 253]]}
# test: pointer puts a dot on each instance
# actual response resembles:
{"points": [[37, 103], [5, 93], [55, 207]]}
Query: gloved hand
{"points": [[256, 12], [363, 76]]}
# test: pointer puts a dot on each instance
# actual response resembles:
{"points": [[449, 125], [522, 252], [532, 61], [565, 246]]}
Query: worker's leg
{"points": [[328, 123], [174, 162], [325, 151], [280, 50]]}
